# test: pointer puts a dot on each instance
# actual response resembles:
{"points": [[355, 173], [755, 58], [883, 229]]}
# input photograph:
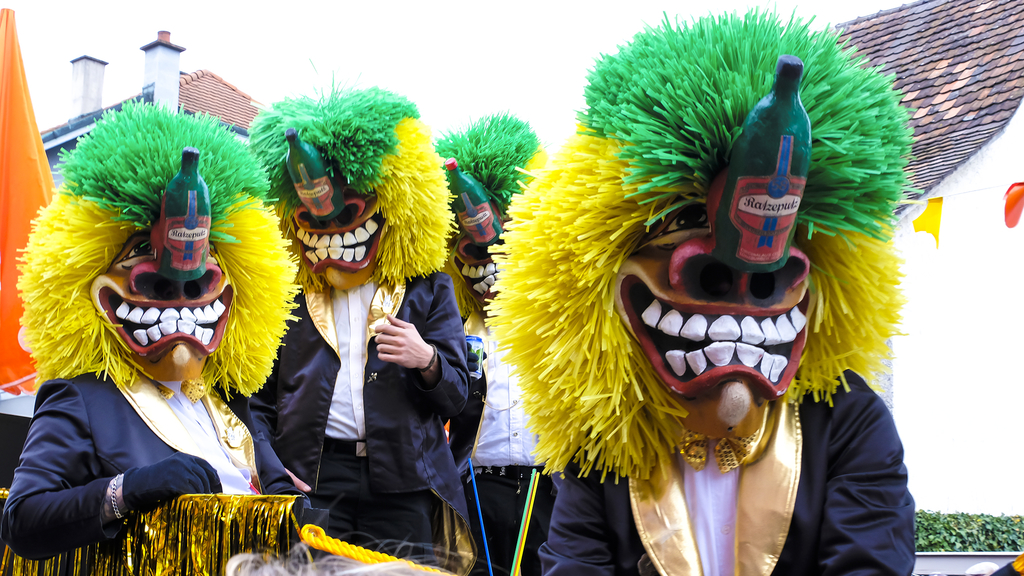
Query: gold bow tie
{"points": [[729, 452], [193, 389]]}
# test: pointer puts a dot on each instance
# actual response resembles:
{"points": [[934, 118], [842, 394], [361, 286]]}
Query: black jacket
{"points": [[84, 432], [405, 438], [853, 514]]}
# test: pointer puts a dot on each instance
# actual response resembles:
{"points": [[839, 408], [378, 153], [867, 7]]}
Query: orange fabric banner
{"points": [[25, 185]]}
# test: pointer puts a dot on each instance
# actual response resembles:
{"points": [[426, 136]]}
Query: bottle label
{"points": [[188, 237], [317, 195], [478, 222], [764, 209]]}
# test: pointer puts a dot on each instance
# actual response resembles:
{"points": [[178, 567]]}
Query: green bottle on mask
{"points": [[476, 214], [181, 236], [755, 218], [309, 175]]}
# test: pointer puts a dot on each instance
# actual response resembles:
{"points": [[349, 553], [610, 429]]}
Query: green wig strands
{"points": [[353, 141], [677, 96], [107, 166], [491, 150]]}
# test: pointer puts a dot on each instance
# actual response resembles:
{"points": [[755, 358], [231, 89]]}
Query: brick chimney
{"points": [[160, 82], [86, 85]]}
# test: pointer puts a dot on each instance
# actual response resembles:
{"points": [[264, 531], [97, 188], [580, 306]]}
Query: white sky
{"points": [[458, 61]]}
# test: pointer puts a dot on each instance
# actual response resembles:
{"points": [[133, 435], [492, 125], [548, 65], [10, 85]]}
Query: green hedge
{"points": [[938, 532]]}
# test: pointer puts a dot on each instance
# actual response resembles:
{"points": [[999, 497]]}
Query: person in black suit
{"points": [[699, 283], [136, 331]]}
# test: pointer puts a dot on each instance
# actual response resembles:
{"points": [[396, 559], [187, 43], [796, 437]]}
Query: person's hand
{"points": [[302, 486], [146, 486], [399, 342]]}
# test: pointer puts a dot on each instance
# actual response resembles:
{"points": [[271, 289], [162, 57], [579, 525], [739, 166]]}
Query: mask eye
{"points": [[687, 218], [143, 248]]}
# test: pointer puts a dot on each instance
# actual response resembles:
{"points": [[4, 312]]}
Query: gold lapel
{"points": [[151, 406], [765, 503], [386, 300], [663, 522], [767, 495], [321, 312], [233, 435]]}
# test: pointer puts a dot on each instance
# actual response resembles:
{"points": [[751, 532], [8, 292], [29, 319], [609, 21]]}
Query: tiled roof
{"points": [[204, 91], [959, 63]]}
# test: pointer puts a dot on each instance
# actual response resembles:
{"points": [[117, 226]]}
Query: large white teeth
{"points": [[749, 355], [135, 316], [653, 314], [371, 226], [751, 331], [778, 365], [122, 311], [360, 252], [336, 241], [677, 360], [771, 335], [697, 362], [141, 337], [334, 252], [205, 336], [799, 320], [187, 315], [211, 316], [720, 353], [149, 317], [311, 254], [348, 254], [323, 242], [362, 235], [490, 269], [694, 328], [200, 315], [321, 253], [168, 315], [154, 333], [786, 331], [766, 365], [671, 323], [218, 307], [466, 270], [350, 239], [303, 235], [725, 328], [311, 240], [489, 280], [480, 287], [169, 327], [185, 326]]}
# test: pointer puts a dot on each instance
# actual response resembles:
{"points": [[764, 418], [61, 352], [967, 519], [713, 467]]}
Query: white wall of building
{"points": [[959, 370]]}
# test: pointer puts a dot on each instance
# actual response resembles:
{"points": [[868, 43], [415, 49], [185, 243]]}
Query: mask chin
{"points": [[340, 280]]}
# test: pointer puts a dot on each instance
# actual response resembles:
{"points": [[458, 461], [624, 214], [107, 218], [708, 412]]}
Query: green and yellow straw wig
{"points": [[372, 139], [499, 151], [661, 118], [114, 181]]}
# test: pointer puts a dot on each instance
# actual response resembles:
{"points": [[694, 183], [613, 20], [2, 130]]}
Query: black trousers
{"points": [[502, 500], [397, 524]]}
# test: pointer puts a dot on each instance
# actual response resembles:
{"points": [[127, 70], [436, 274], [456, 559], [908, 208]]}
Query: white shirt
{"points": [[711, 500], [199, 425], [346, 420], [504, 438]]}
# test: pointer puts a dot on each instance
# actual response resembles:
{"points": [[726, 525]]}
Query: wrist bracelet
{"points": [[118, 480], [433, 359]]}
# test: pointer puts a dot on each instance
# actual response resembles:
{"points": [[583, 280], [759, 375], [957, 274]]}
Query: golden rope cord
{"points": [[315, 537]]}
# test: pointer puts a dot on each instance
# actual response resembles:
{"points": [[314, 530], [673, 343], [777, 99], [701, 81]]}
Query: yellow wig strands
{"points": [[74, 240], [413, 198], [192, 535], [586, 383]]}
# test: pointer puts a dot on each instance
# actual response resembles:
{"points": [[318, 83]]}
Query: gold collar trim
{"points": [[234, 436], [765, 503], [386, 300], [146, 399], [321, 312]]}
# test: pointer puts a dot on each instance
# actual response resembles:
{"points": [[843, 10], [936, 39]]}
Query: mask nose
{"points": [[146, 281], [695, 272]]}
